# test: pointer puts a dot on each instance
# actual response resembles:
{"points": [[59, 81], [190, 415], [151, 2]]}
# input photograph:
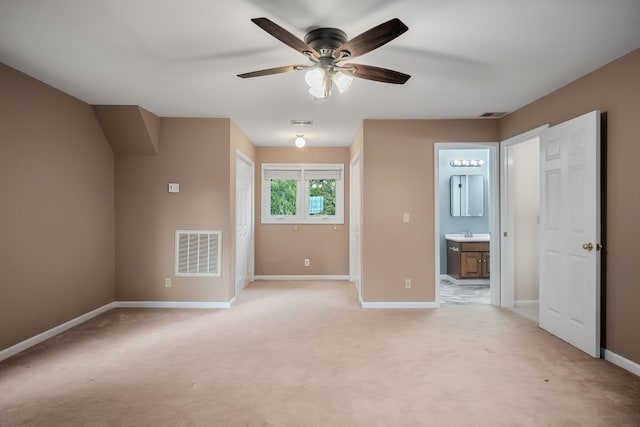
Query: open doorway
{"points": [[467, 223], [520, 219]]}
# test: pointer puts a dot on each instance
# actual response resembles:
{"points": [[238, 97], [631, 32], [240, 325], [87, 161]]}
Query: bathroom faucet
{"points": [[468, 233]]}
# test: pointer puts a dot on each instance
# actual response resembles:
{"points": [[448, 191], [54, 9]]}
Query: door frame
{"points": [[494, 189], [241, 157], [355, 247], [506, 213]]}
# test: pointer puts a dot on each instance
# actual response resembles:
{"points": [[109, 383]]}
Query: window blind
{"points": [[270, 174], [322, 174]]}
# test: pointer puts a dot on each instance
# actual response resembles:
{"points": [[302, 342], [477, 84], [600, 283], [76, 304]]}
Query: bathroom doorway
{"points": [[467, 244]]}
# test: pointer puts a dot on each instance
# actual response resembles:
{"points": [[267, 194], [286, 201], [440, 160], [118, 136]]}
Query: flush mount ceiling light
{"points": [[300, 142], [328, 49]]}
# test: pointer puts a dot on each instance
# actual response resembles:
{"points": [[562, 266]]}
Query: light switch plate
{"points": [[174, 188]]}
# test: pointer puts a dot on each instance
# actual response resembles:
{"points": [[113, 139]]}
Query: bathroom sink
{"points": [[476, 237]]}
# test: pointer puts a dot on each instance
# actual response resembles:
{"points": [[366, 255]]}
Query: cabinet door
{"points": [[471, 265], [486, 270], [453, 259]]}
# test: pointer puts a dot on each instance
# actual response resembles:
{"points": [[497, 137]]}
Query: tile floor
{"points": [[450, 293]]}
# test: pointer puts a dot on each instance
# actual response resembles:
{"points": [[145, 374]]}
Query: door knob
{"points": [[588, 246]]}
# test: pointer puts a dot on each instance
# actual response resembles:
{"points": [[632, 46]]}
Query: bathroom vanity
{"points": [[468, 256]]}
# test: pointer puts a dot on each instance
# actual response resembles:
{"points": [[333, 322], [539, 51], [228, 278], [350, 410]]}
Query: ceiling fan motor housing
{"points": [[325, 40]]}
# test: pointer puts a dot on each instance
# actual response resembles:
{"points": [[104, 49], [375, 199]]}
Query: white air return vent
{"points": [[198, 253]]}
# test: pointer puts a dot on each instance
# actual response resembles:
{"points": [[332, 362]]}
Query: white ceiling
{"points": [[180, 58]]}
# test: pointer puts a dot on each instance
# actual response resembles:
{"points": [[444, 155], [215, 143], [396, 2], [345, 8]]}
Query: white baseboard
{"points": [[622, 362], [37, 339], [285, 277], [525, 303], [399, 304], [173, 304]]}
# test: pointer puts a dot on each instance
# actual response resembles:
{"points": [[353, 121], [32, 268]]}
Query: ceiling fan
{"points": [[328, 49]]}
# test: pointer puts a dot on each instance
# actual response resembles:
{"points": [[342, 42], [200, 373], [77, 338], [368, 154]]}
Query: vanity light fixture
{"points": [[466, 163], [300, 142]]}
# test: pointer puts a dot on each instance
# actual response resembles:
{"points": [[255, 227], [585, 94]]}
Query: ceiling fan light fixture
{"points": [[342, 81], [319, 81], [300, 142], [314, 77], [327, 48], [319, 92]]}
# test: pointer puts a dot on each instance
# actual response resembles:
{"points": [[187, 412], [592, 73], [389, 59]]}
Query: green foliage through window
{"points": [[322, 197], [283, 196], [294, 193]]}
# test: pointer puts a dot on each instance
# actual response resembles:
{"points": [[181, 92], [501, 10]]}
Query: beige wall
{"points": [[57, 215], [280, 249], [196, 153], [526, 211], [398, 178], [614, 89], [58, 204]]}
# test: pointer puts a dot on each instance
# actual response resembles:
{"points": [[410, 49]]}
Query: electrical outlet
{"points": [[307, 262], [406, 218], [167, 282], [407, 283]]}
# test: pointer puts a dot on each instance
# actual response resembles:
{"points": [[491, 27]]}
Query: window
{"points": [[302, 193]]}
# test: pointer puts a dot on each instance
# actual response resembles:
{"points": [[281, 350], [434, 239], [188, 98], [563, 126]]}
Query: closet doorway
{"points": [[520, 219]]}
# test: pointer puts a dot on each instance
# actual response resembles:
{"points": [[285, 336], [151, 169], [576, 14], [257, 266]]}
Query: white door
{"points": [[355, 222], [570, 232], [244, 222]]}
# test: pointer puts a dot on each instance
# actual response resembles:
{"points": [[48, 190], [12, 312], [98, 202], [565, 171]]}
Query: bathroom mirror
{"points": [[467, 195]]}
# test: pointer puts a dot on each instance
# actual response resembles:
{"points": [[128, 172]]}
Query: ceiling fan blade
{"points": [[276, 70], [372, 39], [378, 74], [285, 36]]}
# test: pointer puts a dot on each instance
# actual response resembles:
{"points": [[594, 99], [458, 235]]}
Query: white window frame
{"points": [[302, 193]]}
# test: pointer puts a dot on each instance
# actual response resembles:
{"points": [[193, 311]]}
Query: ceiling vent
{"points": [[302, 122], [493, 115]]}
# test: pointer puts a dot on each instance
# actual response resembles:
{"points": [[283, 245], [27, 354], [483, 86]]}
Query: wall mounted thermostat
{"points": [[174, 187]]}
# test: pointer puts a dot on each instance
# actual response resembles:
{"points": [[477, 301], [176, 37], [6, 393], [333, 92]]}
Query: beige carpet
{"points": [[306, 354]]}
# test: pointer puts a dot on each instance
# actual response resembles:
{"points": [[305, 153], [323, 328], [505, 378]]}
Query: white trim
{"points": [[355, 224], [436, 218], [252, 244], [525, 303], [37, 339], [530, 134], [399, 304], [494, 250], [302, 215], [506, 216], [310, 277], [622, 362], [174, 304]]}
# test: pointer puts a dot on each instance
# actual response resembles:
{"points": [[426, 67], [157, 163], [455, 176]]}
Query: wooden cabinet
{"points": [[468, 260]]}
